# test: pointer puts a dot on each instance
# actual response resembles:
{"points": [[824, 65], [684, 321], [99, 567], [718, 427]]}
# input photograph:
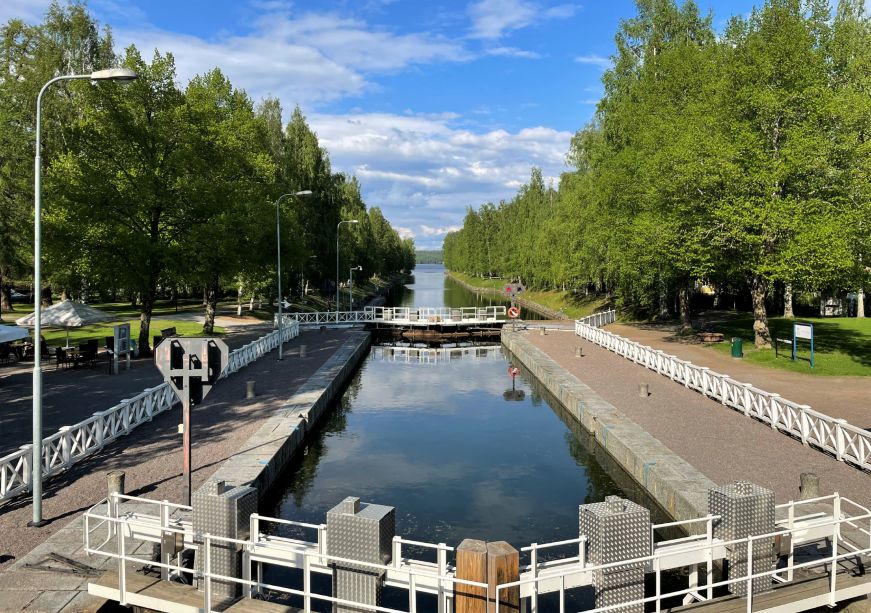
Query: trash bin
{"points": [[737, 347]]}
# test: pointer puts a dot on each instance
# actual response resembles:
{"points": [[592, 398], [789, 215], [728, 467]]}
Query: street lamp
{"points": [[111, 74], [338, 233], [351, 287], [305, 192]]}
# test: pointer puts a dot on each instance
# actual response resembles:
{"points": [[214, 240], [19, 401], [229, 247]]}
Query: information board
{"points": [[802, 331]]}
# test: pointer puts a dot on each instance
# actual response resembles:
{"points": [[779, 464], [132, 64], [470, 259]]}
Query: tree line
{"points": [[739, 160], [151, 189]]}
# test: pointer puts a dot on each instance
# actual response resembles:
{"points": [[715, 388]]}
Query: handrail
{"points": [[845, 441], [71, 444]]}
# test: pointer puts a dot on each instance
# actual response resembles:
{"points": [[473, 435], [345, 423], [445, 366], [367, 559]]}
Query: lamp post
{"points": [[351, 287], [305, 192], [111, 74], [338, 233]]}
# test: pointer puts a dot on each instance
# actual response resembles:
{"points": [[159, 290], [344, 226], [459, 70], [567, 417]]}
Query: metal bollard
{"points": [[302, 349], [644, 390], [810, 486], [579, 351], [249, 389]]}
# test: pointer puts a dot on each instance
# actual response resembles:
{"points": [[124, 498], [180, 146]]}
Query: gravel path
{"points": [[720, 442], [151, 454], [843, 397]]}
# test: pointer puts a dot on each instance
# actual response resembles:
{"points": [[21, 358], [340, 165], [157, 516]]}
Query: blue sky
{"points": [[433, 105]]}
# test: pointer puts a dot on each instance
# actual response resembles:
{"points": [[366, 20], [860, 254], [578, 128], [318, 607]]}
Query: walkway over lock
{"points": [[406, 317]]}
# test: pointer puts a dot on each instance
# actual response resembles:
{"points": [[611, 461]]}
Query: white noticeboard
{"points": [[804, 331], [122, 346]]}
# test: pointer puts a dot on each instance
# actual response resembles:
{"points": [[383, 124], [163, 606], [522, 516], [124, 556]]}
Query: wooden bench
{"points": [[165, 333], [711, 337]]}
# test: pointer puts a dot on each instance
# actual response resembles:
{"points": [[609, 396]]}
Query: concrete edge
{"points": [[677, 486], [267, 452]]}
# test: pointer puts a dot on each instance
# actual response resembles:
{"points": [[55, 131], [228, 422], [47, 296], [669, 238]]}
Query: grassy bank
{"points": [[842, 345], [572, 305], [100, 331]]}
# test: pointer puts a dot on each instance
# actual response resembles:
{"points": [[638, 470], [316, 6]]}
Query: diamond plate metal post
{"points": [[745, 509], [616, 529], [223, 511], [363, 532]]}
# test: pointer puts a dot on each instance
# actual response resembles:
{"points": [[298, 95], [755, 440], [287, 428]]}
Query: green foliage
{"points": [[429, 256], [150, 188], [739, 161]]}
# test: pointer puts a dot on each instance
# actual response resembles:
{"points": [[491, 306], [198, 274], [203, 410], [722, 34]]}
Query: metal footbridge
{"points": [[405, 317], [822, 549]]}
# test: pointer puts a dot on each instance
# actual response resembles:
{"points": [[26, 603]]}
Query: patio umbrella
{"points": [[67, 314], [11, 333]]}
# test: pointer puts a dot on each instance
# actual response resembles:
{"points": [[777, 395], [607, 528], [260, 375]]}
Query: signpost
{"points": [[121, 346], [802, 331], [191, 366]]}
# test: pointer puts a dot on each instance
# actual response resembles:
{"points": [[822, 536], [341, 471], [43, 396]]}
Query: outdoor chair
{"points": [[44, 352], [87, 355], [61, 358], [5, 352]]}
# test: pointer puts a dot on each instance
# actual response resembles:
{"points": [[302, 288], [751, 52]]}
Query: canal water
{"points": [[449, 444]]}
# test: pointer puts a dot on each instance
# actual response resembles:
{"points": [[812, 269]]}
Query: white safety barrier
{"points": [[413, 316], [115, 528], [845, 441], [73, 443]]}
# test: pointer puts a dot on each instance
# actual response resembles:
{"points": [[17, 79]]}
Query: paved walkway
{"points": [[151, 454], [843, 397], [73, 395], [720, 442]]}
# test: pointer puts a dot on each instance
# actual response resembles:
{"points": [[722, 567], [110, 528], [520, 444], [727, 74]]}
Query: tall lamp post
{"points": [[351, 287], [111, 74], [305, 192], [338, 234]]}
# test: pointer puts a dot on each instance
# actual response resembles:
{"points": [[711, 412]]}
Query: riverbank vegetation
{"points": [[154, 190], [721, 169]]}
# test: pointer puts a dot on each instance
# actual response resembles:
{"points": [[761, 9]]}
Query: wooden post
{"points": [[471, 566], [503, 566]]}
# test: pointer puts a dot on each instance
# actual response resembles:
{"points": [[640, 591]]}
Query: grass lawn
{"points": [[56, 338], [842, 345], [573, 306]]}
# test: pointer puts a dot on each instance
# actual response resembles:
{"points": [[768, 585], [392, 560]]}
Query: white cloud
{"points": [[430, 231], [405, 232], [594, 60], [492, 19], [302, 58], [424, 170], [513, 52]]}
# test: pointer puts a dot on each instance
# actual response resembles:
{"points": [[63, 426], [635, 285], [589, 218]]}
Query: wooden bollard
{"points": [[471, 566], [579, 351], [810, 486], [249, 389], [644, 390], [115, 482], [302, 349], [542, 331], [503, 566]]}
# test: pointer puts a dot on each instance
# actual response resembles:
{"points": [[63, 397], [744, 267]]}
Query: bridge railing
{"points": [[73, 443], [836, 436], [120, 530], [438, 315]]}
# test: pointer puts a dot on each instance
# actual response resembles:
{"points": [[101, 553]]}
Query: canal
{"points": [[448, 444]]}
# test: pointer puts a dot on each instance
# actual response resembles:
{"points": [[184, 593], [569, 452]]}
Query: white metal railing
{"points": [[119, 527], [599, 319], [432, 355], [73, 443], [404, 316], [845, 441]]}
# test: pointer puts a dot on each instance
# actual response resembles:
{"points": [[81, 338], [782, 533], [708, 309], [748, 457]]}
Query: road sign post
{"points": [[191, 366]]}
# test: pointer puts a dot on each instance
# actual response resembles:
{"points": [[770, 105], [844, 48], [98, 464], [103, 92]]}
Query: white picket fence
{"points": [[73, 443], [845, 441]]}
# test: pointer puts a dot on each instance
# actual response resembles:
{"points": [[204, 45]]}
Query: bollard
{"points": [[644, 390], [471, 566], [579, 351], [323, 329], [302, 349], [810, 486], [542, 331], [115, 482], [249, 389]]}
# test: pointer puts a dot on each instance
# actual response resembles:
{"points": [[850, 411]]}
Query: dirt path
{"points": [[843, 397]]}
